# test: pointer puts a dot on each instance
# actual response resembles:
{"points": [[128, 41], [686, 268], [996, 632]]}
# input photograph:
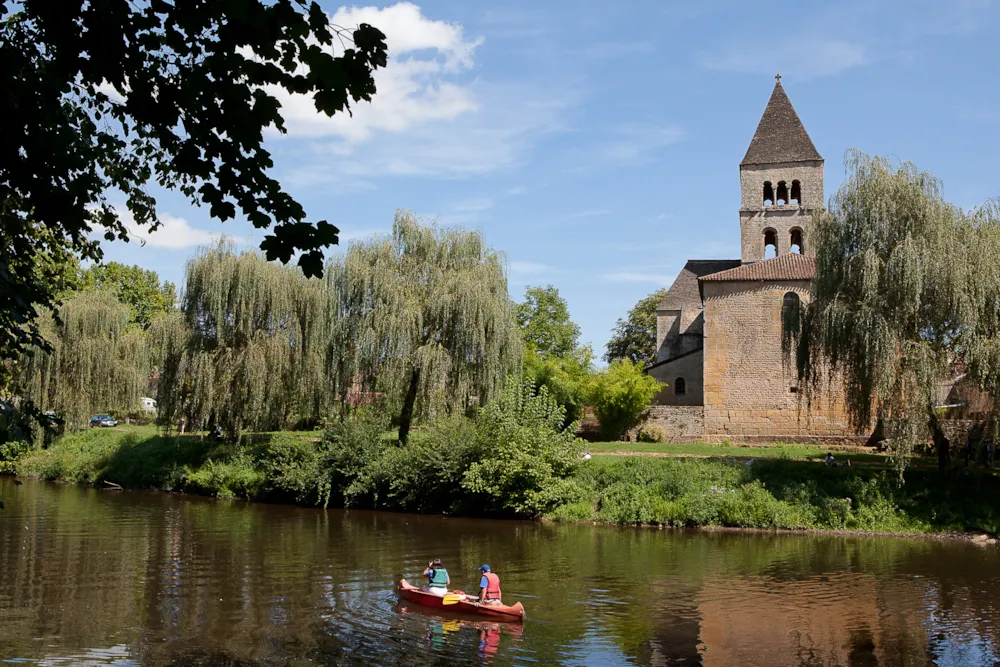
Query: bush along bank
{"points": [[516, 459], [783, 494]]}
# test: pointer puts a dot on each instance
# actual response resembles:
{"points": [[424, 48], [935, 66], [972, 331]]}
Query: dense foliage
{"points": [[95, 361], [423, 317], [544, 320], [139, 288], [113, 96], [621, 394], [634, 338], [553, 358], [905, 294], [249, 349]]}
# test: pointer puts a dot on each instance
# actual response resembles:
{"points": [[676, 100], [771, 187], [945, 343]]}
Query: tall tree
{"points": [[423, 315], [109, 96], [545, 324], [634, 338], [905, 288], [140, 289], [248, 350], [95, 362]]}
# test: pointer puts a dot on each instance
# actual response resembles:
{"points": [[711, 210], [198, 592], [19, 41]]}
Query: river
{"points": [[101, 578]]}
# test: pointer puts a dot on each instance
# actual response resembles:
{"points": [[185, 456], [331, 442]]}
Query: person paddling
{"points": [[437, 578], [489, 586]]}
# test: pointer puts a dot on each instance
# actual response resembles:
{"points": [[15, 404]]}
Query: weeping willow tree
{"points": [[906, 291], [422, 316], [98, 362], [248, 349]]}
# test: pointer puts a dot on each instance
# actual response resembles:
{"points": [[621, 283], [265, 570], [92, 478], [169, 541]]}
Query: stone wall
{"points": [[682, 423], [688, 367], [749, 392]]}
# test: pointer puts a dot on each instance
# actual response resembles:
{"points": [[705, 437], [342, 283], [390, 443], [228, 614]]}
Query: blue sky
{"points": [[598, 144]]}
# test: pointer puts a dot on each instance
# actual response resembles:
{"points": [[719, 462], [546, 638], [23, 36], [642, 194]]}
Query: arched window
{"points": [[796, 192], [680, 387], [790, 304], [768, 194], [795, 241], [782, 196], [770, 243]]}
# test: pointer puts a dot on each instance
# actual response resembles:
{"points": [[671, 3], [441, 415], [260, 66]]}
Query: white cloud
{"points": [[527, 269], [473, 205], [361, 234], [801, 58], [655, 278], [420, 84], [429, 117], [173, 234]]}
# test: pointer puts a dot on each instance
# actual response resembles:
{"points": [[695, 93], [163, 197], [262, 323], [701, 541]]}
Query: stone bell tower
{"points": [[781, 180]]}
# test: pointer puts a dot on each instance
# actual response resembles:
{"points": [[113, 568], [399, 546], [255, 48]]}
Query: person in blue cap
{"points": [[489, 586]]}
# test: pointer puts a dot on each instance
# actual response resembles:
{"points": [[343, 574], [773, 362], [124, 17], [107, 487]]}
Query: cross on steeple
{"points": [[777, 77]]}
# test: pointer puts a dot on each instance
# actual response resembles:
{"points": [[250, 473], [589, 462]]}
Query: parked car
{"points": [[104, 421]]}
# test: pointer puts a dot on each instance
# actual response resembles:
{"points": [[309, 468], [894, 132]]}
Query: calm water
{"points": [[90, 577]]}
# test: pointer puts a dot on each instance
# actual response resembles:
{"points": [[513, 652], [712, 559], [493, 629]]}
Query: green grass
{"points": [[706, 449]]}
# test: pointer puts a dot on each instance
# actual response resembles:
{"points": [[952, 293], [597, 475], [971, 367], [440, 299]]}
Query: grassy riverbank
{"points": [[683, 485]]}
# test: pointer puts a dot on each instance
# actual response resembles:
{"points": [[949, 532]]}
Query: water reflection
{"points": [[150, 579]]}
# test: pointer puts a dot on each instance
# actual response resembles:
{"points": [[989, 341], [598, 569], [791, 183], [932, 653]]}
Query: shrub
{"points": [[524, 455], [620, 395], [10, 452], [651, 433], [293, 465], [238, 477]]}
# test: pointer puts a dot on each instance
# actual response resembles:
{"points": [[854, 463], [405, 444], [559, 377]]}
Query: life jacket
{"points": [[438, 578], [492, 586]]}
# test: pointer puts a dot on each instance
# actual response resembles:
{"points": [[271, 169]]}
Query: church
{"points": [[719, 326]]}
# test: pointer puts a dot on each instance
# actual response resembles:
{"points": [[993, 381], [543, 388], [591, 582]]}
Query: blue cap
{"points": [[484, 568]]}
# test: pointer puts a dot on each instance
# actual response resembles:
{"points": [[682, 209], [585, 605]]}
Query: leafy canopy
{"points": [[423, 316], [140, 289], [620, 395], [634, 338], [248, 349], [905, 292], [109, 97], [545, 324]]}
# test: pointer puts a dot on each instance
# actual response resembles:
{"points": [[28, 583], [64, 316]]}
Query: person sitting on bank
{"points": [[489, 586], [437, 578]]}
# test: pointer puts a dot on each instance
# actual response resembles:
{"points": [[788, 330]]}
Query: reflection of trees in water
{"points": [[190, 581]]}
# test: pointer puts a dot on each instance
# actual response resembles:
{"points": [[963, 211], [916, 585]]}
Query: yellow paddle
{"points": [[451, 598]]}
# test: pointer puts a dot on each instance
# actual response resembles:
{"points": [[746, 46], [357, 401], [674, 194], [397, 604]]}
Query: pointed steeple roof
{"points": [[780, 136]]}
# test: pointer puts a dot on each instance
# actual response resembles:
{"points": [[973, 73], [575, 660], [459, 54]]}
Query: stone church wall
{"points": [[749, 393], [683, 423], [688, 367]]}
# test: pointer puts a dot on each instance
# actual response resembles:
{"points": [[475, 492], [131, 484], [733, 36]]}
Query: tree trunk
{"points": [[407, 416], [941, 443]]}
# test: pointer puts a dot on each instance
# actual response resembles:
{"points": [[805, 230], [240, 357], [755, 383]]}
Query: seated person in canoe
{"points": [[489, 586], [437, 578]]}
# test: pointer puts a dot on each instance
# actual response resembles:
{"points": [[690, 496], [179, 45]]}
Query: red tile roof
{"points": [[786, 267]]}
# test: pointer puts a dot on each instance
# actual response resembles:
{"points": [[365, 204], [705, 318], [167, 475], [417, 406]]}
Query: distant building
{"points": [[719, 325]]}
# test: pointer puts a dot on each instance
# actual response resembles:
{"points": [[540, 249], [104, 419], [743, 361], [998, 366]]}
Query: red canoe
{"points": [[497, 611]]}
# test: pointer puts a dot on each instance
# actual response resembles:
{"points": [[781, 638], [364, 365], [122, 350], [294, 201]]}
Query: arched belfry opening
{"points": [[770, 243], [768, 194], [782, 194], [796, 192], [795, 245]]}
